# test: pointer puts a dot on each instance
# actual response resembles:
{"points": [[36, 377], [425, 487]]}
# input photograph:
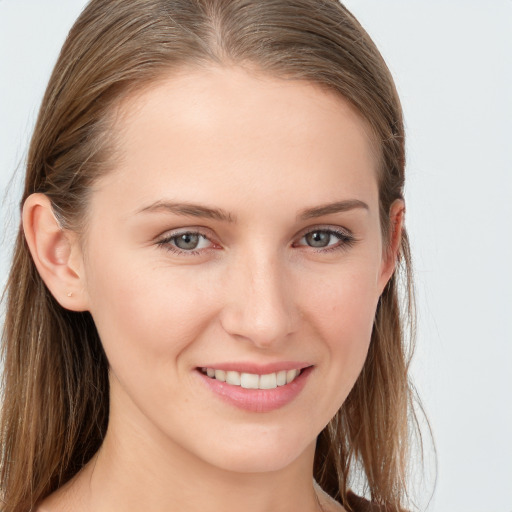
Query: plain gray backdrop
{"points": [[452, 64]]}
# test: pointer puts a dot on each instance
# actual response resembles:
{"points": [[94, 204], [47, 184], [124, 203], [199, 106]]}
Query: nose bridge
{"points": [[260, 307]]}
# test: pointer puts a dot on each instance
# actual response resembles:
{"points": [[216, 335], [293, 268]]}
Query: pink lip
{"points": [[260, 369], [256, 400]]}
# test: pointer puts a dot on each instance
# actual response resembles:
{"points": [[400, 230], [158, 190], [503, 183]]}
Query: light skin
{"points": [[289, 265]]}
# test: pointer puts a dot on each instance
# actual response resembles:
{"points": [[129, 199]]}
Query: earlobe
{"points": [[390, 254], [55, 252]]}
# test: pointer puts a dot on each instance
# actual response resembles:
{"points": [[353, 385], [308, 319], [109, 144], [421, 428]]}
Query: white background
{"points": [[452, 61]]}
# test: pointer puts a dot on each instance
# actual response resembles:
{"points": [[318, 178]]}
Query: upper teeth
{"points": [[253, 380]]}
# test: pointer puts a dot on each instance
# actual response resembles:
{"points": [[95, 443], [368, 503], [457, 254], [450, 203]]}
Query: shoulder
{"points": [[65, 499], [355, 502], [326, 502], [358, 504], [54, 503]]}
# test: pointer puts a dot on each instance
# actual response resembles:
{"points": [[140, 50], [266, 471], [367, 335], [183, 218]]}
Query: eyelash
{"points": [[346, 240], [166, 244]]}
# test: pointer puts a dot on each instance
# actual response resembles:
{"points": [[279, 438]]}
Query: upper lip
{"points": [[259, 369]]}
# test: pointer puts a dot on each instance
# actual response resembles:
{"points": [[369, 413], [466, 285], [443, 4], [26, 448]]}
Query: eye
{"points": [[186, 242], [319, 239], [326, 239], [190, 241]]}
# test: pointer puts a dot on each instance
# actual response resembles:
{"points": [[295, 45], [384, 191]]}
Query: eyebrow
{"points": [[188, 210], [197, 210], [330, 208]]}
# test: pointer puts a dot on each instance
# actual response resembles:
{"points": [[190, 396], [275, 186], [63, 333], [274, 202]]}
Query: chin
{"points": [[256, 464], [259, 456]]}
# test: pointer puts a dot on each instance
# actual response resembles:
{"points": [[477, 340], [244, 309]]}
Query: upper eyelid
{"points": [[201, 230], [344, 239], [196, 230], [165, 241], [206, 232], [329, 228]]}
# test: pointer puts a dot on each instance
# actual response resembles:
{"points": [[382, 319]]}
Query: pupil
{"points": [[187, 241], [318, 239]]}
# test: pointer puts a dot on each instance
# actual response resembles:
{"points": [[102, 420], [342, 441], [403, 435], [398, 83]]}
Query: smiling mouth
{"points": [[253, 380]]}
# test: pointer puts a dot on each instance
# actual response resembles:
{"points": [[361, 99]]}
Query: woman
{"points": [[202, 308]]}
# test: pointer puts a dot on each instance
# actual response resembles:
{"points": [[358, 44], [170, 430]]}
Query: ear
{"points": [[56, 253], [390, 251]]}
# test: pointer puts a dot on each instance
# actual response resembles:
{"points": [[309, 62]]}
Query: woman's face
{"points": [[239, 232]]}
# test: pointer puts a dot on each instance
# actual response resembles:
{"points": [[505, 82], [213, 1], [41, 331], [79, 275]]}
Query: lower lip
{"points": [[257, 400]]}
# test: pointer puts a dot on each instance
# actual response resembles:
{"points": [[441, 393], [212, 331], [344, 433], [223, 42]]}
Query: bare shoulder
{"points": [[68, 498], [50, 504], [56, 502], [326, 502]]}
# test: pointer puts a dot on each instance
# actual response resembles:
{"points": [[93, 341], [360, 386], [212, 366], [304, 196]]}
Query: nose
{"points": [[259, 306]]}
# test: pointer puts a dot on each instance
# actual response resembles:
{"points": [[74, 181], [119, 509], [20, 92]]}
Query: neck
{"points": [[130, 481], [139, 468]]}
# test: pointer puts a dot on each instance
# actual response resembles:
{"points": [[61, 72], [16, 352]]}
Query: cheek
{"points": [[343, 300], [341, 310], [145, 315]]}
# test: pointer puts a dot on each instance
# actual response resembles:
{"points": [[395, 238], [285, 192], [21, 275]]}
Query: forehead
{"points": [[231, 130]]}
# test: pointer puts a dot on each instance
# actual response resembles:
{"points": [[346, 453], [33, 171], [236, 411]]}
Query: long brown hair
{"points": [[55, 379]]}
